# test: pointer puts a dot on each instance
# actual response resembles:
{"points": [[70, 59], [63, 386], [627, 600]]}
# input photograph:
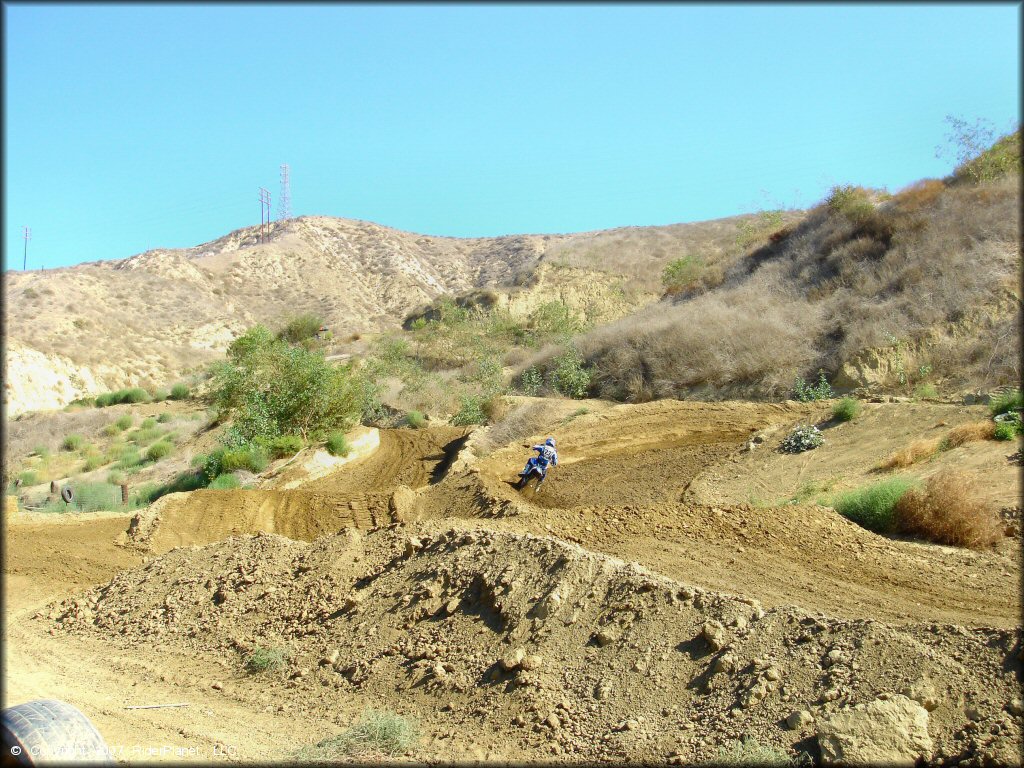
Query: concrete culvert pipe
{"points": [[50, 731]]}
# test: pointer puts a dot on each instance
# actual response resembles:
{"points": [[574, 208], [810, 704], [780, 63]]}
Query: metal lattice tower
{"points": [[26, 232], [264, 215], [284, 202]]}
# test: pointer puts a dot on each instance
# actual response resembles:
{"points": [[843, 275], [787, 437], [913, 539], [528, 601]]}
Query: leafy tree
{"points": [[273, 389]]}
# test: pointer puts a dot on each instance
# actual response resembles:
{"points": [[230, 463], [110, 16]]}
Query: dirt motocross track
{"points": [[443, 569]]}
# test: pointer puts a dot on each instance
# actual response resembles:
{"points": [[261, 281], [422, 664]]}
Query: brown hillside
{"points": [[149, 319]]}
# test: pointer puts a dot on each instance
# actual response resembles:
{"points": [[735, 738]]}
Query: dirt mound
{"points": [[355, 495], [537, 643], [201, 517]]}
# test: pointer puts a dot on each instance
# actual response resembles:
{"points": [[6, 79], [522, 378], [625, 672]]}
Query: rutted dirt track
{"points": [[633, 483]]}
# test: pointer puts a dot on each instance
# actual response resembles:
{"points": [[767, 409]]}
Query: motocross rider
{"points": [[546, 454]]}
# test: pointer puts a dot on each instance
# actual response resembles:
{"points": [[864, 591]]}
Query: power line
{"points": [[27, 234]]}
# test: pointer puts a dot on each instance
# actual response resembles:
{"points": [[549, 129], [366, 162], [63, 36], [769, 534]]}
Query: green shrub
{"points": [[198, 460], [124, 422], [852, 202], [470, 411], [88, 497], [979, 158], [569, 377], [133, 395], [110, 430], [28, 478], [530, 381], [1006, 431], [72, 442], [806, 393], [160, 395], [41, 451], [872, 506], [265, 660], [376, 733], [163, 418], [337, 444], [130, 459], [846, 409], [158, 450], [145, 436], [554, 318], [285, 445], [227, 482], [681, 274], [250, 458], [415, 419], [925, 391], [805, 437], [300, 328], [148, 423], [115, 477], [180, 391], [1006, 402], [749, 752], [94, 461]]}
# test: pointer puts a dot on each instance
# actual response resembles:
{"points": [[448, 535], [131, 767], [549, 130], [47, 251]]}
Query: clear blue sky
{"points": [[129, 127]]}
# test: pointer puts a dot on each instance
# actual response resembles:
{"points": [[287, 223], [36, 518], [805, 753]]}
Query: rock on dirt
{"points": [[889, 732]]}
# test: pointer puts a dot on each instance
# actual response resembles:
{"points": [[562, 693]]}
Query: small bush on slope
{"points": [[873, 506], [948, 511]]}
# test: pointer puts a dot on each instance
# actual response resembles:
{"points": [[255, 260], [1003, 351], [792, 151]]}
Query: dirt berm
{"points": [[357, 495], [533, 647]]}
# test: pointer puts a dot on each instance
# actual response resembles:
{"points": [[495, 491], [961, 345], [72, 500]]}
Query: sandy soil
{"points": [[404, 575]]}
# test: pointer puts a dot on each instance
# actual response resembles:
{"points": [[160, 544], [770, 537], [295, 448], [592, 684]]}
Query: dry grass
{"points": [[933, 268], [970, 433], [948, 511], [520, 422], [920, 450]]}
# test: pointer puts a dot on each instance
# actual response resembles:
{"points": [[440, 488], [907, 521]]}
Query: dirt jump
{"points": [[636, 609]]}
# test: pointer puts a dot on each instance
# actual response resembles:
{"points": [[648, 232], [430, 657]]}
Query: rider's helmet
{"points": [[550, 441]]}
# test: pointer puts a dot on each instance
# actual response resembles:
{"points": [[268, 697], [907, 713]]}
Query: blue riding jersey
{"points": [[546, 455]]}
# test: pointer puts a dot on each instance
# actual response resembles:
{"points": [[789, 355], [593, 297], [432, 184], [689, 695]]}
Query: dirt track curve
{"points": [[635, 483]]}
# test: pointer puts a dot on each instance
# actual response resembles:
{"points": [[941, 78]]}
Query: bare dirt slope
{"points": [[619, 615]]}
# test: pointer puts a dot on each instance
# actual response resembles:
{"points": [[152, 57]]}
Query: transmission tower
{"points": [[284, 202], [27, 234], [264, 215]]}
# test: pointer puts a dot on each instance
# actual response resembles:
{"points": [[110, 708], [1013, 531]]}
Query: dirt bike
{"points": [[532, 470]]}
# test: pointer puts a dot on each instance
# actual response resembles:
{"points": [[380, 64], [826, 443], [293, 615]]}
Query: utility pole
{"points": [[27, 234], [264, 215], [284, 202]]}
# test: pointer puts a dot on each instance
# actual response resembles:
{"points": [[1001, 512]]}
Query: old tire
{"points": [[48, 730], [67, 494]]}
